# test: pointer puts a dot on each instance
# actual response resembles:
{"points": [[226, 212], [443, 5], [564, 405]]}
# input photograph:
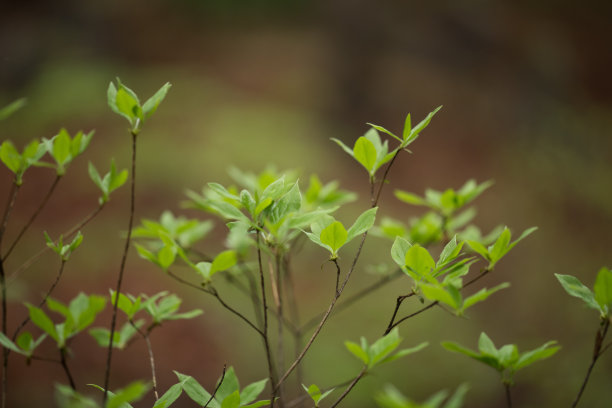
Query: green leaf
{"points": [[166, 256], [363, 223], [419, 261], [440, 294], [232, 400], [481, 295], [40, 319], [122, 397], [486, 346], [150, 106], [384, 346], [357, 351], [575, 288], [252, 391], [344, 147], [10, 156], [169, 396], [486, 359], [409, 198], [399, 249], [365, 153], [544, 351], [498, 250], [404, 352], [414, 132], [223, 261], [195, 391], [8, 343], [603, 288], [456, 400], [61, 148], [479, 249], [334, 236]]}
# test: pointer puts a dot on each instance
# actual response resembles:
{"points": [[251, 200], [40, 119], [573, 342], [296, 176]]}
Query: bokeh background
{"points": [[527, 97]]}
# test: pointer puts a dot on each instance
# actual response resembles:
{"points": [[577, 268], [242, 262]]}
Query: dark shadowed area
{"points": [[527, 102]]}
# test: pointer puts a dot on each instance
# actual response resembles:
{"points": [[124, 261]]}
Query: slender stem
{"points": [[66, 370], [122, 268], [5, 351], [508, 397], [145, 336], [217, 387], [66, 234], [212, 291], [335, 261], [421, 310], [34, 216], [350, 387], [398, 303], [265, 328], [354, 298], [326, 315], [597, 352], [302, 397], [382, 182]]}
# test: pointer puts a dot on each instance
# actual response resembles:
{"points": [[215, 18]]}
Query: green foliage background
{"points": [[527, 103]]}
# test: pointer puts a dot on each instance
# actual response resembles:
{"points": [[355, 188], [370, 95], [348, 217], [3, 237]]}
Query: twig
{"points": [[597, 352], [122, 267], [65, 366], [354, 298], [508, 397], [398, 303], [33, 217], [212, 291], [429, 306], [217, 387], [145, 336], [350, 387], [382, 182]]}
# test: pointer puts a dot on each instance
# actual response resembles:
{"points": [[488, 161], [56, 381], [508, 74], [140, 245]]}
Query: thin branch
{"points": [[212, 291], [122, 267], [597, 352], [326, 315], [398, 303], [217, 387], [302, 397], [421, 310], [65, 367], [350, 387], [382, 182], [335, 261], [145, 336], [34, 216], [354, 298], [508, 397]]}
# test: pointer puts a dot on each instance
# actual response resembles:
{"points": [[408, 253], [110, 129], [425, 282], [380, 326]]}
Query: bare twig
{"points": [[350, 387], [597, 352], [217, 387], [508, 396], [65, 367], [145, 336]]}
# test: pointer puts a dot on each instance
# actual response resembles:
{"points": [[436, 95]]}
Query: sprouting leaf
{"points": [[150, 106], [603, 289], [334, 236], [365, 153], [399, 249], [363, 223], [315, 393]]}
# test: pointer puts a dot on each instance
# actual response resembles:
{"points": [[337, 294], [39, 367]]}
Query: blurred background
{"points": [[527, 97]]}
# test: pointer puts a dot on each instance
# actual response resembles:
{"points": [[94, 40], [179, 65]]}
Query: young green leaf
{"points": [[11, 108], [315, 393], [365, 153], [603, 289], [363, 223], [575, 288], [334, 236], [150, 106]]}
